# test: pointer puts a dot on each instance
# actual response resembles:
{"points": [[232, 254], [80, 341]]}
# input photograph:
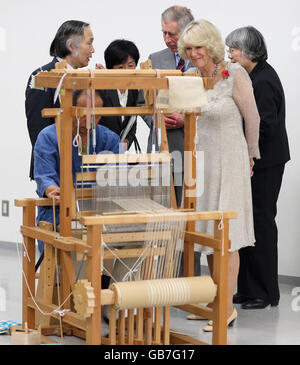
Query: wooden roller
{"points": [[164, 292]]}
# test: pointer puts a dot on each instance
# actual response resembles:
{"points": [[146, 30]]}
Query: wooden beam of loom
{"points": [[110, 73], [144, 218], [82, 83], [38, 202], [108, 79], [119, 74], [106, 111]]}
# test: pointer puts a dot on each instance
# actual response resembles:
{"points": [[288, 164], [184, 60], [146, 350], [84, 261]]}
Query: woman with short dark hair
{"points": [[258, 274], [121, 54]]}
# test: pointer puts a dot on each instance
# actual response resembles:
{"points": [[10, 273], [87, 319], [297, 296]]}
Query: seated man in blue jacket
{"points": [[47, 162], [46, 154]]}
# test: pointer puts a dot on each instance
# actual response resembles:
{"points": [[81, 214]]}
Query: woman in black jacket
{"points": [[121, 54], [258, 275]]}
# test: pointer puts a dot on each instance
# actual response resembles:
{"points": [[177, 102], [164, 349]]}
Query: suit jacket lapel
{"points": [[168, 60]]}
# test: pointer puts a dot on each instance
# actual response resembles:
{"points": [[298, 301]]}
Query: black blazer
{"points": [[111, 99], [270, 100], [35, 101]]}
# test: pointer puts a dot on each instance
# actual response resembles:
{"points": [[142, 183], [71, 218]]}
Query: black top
{"points": [[270, 100], [35, 101], [111, 99]]}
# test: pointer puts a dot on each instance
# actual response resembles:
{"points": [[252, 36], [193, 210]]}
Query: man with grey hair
{"points": [[173, 21], [73, 43]]}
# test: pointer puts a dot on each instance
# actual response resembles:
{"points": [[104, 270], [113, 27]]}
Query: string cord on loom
{"points": [[157, 115], [77, 141], [59, 310], [92, 116]]}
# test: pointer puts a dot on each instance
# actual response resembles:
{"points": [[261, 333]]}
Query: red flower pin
{"points": [[225, 74]]}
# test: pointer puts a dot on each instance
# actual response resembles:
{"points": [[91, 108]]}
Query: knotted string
{"points": [[77, 141]]}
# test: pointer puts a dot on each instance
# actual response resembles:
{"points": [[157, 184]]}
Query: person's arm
{"points": [[267, 104], [244, 98], [52, 192], [35, 101], [46, 165]]}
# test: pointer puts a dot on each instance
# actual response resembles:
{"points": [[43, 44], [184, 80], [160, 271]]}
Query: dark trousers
{"points": [[178, 194], [258, 274], [197, 264]]}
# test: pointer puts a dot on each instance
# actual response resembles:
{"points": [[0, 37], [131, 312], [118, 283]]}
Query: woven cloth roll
{"points": [[164, 292], [185, 95]]}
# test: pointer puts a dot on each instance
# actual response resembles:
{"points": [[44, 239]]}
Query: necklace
{"points": [[214, 73]]}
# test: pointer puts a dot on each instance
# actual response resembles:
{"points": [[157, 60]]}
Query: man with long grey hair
{"points": [[173, 21], [73, 42]]}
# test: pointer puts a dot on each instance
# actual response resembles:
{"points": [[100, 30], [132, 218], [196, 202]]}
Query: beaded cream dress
{"points": [[223, 171]]}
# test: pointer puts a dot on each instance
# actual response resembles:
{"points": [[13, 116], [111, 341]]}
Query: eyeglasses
{"points": [[231, 50]]}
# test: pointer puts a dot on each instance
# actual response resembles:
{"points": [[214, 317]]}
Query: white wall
{"points": [[28, 27]]}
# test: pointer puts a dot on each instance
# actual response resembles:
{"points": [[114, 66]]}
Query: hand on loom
{"points": [[99, 66], [53, 192], [174, 121]]}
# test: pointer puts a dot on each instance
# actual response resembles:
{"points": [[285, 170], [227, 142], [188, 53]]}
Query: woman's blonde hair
{"points": [[205, 34]]}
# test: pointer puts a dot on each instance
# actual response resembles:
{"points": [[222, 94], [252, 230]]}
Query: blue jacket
{"points": [[47, 163]]}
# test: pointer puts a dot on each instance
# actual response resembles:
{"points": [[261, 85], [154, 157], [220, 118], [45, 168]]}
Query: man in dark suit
{"points": [[173, 21], [258, 275], [73, 42]]}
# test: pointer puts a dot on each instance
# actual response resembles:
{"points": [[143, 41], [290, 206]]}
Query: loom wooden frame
{"points": [[66, 243]]}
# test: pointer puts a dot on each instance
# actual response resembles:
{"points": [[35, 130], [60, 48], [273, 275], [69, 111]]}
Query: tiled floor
{"points": [[270, 326]]}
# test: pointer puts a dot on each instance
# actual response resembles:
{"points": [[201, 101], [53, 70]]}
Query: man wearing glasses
{"points": [[173, 22]]}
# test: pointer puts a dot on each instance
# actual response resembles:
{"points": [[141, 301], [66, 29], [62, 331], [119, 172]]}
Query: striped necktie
{"points": [[180, 64]]}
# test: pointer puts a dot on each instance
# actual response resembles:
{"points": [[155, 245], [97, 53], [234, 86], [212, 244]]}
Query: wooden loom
{"points": [[140, 324]]}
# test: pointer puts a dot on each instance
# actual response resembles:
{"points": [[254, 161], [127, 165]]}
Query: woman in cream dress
{"points": [[229, 146]]}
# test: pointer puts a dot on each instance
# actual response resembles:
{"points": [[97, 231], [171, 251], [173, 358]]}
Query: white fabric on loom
{"points": [[185, 95]]}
